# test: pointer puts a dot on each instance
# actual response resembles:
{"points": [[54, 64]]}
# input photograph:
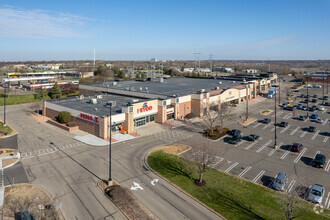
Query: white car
{"points": [[321, 108], [319, 120], [308, 86], [316, 194]]}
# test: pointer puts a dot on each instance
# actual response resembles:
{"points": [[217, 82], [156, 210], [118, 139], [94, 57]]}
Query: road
{"points": [[70, 170]]}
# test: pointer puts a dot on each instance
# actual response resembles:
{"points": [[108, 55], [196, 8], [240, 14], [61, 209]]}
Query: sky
{"points": [[167, 30]]}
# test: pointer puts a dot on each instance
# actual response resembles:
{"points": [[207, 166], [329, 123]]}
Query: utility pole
{"points": [[199, 62], [211, 56], [94, 58]]}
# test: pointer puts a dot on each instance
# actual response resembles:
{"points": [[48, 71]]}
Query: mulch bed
{"points": [[214, 137]]}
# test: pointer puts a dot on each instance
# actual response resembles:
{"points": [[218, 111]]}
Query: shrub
{"points": [[64, 117], [226, 129], [71, 124], [190, 115]]}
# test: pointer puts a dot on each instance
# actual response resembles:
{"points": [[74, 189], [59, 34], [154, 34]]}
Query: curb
{"points": [[177, 187]]}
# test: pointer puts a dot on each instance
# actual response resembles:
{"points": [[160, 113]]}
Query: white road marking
{"points": [[327, 167], [300, 155], [290, 186], [325, 121], [315, 135], [273, 151], [219, 161], [258, 176], [310, 164], [244, 171], [325, 204], [285, 129], [288, 116], [273, 129], [303, 134], [265, 145], [257, 125], [231, 167], [325, 139], [239, 143], [294, 131], [250, 145], [285, 154], [266, 126], [324, 111]]}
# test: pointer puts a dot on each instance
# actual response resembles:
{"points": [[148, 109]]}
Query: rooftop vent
{"points": [[108, 86], [81, 97], [216, 88], [140, 88], [220, 82], [99, 96], [134, 100], [202, 90], [131, 89], [114, 83], [95, 109], [233, 82], [93, 101]]}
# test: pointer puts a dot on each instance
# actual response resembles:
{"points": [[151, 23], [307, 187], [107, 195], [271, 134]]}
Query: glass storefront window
{"points": [[170, 116], [152, 118], [142, 121]]}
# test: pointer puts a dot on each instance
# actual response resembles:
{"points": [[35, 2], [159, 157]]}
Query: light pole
{"points": [[4, 105], [275, 144], [307, 96], [110, 104], [247, 100], [279, 91], [323, 86]]}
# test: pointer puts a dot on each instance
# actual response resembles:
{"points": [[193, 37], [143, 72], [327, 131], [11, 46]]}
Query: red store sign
{"points": [[89, 117], [144, 108]]}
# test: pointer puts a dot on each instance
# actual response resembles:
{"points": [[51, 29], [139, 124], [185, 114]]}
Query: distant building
{"points": [[109, 65], [153, 59], [203, 70], [223, 69], [19, 66], [250, 71], [188, 70]]}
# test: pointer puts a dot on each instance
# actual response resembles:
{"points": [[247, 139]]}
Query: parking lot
{"points": [[260, 162]]}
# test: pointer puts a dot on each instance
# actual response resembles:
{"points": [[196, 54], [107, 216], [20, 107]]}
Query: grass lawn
{"points": [[18, 99], [230, 196], [5, 129]]}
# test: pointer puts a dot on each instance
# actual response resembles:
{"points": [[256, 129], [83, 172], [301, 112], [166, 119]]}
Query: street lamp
{"points": [[279, 91], [110, 105], [307, 96], [247, 99], [4, 104], [275, 144], [323, 86]]}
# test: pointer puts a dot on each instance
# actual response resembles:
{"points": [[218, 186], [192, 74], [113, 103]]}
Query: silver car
{"points": [[316, 194], [321, 108], [280, 182]]}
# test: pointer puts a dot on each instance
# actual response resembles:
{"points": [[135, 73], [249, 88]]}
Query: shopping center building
{"points": [[154, 100]]}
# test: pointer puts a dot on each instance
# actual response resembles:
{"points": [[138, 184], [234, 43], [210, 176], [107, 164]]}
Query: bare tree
{"points": [[225, 111], [203, 157], [291, 200], [211, 115]]}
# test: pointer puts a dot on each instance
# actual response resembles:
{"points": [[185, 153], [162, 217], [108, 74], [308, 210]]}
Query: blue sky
{"points": [[140, 30]]}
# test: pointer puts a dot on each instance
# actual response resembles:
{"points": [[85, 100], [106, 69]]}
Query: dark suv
{"points": [[235, 131], [296, 147], [319, 161], [235, 139], [283, 124], [266, 120]]}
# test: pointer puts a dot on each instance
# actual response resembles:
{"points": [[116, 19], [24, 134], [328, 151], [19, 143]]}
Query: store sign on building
{"points": [[171, 110], [144, 108], [89, 117]]}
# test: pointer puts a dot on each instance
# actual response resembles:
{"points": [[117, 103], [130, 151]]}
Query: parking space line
{"points": [[244, 171], [300, 155], [258, 176], [315, 135], [220, 159], [265, 145], [327, 167], [325, 139], [250, 145], [290, 186], [285, 154], [239, 143], [325, 204], [303, 134], [324, 111], [273, 129], [273, 151], [231, 167], [317, 152], [257, 125], [285, 129], [266, 126], [294, 131], [325, 121]]}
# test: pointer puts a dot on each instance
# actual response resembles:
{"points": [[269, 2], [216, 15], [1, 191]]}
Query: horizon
{"points": [[130, 31]]}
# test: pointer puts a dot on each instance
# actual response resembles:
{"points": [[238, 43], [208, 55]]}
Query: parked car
{"points": [[314, 116], [319, 120], [316, 194], [313, 108], [280, 182], [311, 128], [283, 124], [235, 131], [253, 137], [317, 86], [325, 97], [302, 117], [296, 90], [315, 96], [303, 96], [307, 100], [296, 147], [235, 139], [289, 108], [319, 161], [321, 108], [308, 86], [327, 103], [266, 120], [314, 100], [287, 103], [303, 108]]}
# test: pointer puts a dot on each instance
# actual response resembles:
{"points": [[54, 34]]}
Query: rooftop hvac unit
{"points": [[99, 96], [131, 89], [233, 82], [140, 88], [220, 82], [134, 100], [146, 88], [95, 109], [202, 90], [216, 88], [114, 83], [108, 86], [127, 88], [81, 97]]}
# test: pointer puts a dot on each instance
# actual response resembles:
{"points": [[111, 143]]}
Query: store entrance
{"points": [[140, 122]]}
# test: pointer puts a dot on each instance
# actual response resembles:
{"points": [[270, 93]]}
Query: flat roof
{"points": [[99, 108], [172, 87]]}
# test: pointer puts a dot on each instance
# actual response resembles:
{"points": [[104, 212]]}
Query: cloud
{"points": [[40, 23]]}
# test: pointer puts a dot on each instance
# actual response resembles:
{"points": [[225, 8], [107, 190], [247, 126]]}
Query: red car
{"points": [[296, 147]]}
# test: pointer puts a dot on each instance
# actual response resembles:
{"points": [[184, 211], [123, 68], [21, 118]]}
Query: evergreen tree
{"points": [[55, 92]]}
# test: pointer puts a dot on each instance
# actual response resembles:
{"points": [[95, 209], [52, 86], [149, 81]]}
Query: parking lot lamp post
{"points": [[279, 91], [4, 105], [307, 96], [323, 85], [275, 144], [110, 104]]}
